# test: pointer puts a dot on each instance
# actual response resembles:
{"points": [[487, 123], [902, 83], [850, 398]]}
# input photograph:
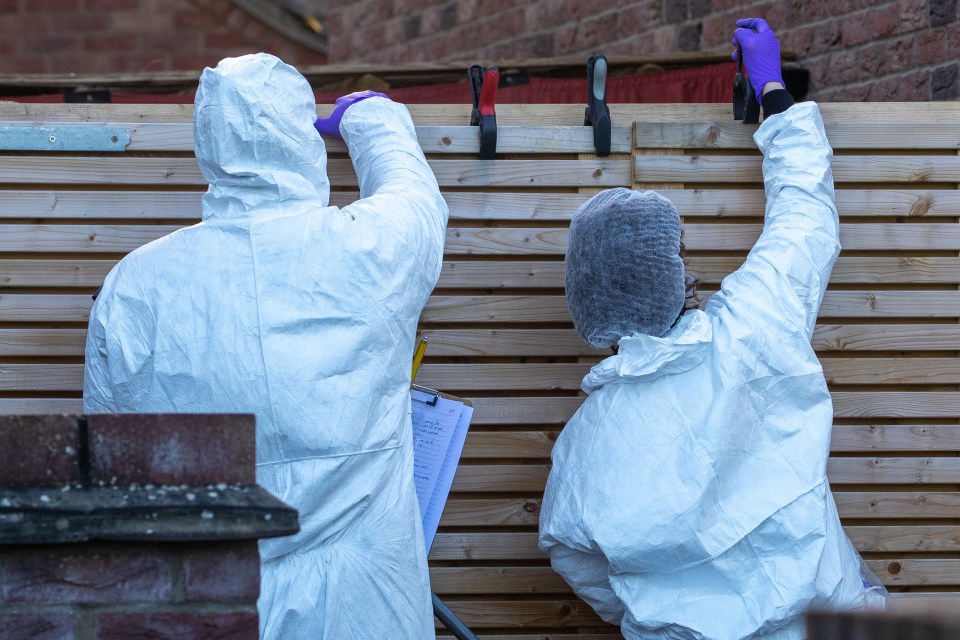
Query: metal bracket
{"points": [[92, 138]]}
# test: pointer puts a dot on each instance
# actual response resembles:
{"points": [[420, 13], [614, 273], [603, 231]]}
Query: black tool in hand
{"points": [[745, 105], [597, 113]]}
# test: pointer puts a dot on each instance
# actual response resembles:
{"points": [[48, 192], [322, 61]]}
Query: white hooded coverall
{"points": [[688, 497], [305, 315]]}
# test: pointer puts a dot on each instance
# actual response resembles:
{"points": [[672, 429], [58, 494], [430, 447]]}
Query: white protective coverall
{"points": [[688, 497], [305, 315]]}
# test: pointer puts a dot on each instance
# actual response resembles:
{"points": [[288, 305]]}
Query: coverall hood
{"points": [[642, 357], [255, 139]]}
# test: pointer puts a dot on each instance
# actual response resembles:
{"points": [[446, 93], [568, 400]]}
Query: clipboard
{"points": [[440, 425]]}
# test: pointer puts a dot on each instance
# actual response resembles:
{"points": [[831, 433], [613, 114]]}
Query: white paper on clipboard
{"points": [[440, 427]]}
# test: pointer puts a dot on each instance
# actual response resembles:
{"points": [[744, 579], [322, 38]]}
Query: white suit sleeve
{"points": [[784, 278], [97, 390], [588, 574], [395, 179]]}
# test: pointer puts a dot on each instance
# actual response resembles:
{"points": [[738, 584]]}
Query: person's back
{"points": [[688, 498], [305, 315]]}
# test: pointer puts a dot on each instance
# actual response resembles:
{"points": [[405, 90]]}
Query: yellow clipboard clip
{"points": [[418, 358]]}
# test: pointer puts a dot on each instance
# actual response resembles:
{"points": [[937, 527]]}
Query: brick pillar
{"points": [[131, 526]]}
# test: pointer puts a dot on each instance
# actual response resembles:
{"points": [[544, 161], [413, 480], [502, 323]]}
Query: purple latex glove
{"points": [[761, 52], [331, 126]]}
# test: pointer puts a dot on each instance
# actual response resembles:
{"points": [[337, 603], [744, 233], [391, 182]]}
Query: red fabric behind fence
{"points": [[713, 83]]}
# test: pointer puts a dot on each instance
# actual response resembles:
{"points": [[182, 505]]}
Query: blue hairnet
{"points": [[624, 273]]}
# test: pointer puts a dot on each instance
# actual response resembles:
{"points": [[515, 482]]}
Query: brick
{"points": [[37, 626], [222, 573], [9, 6], [944, 84], [54, 6], [930, 47], [914, 15], [448, 16], [47, 45], [89, 574], [688, 37], [843, 67], [700, 8], [111, 5], [23, 24], [885, 20], [942, 12], [674, 11], [110, 42], [196, 20], [40, 451], [172, 449], [411, 26], [855, 29], [178, 626]]}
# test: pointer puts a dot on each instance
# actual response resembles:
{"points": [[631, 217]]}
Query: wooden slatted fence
{"points": [[888, 333]]}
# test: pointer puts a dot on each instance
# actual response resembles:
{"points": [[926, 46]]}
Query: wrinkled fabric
{"points": [[623, 271], [688, 498], [305, 315]]}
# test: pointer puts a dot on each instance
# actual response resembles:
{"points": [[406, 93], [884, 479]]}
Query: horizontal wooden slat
{"points": [[905, 404], [889, 470], [860, 505], [557, 410], [491, 512], [728, 134], [496, 580], [849, 338], [34, 406], [943, 113], [846, 438], [896, 437], [702, 169], [929, 602], [567, 613], [499, 241], [905, 538], [483, 274], [712, 237], [711, 203], [550, 613], [69, 205], [116, 238], [866, 538], [543, 579], [542, 377], [917, 571], [185, 171], [485, 546], [897, 504], [915, 470], [515, 139], [907, 203], [178, 136]]}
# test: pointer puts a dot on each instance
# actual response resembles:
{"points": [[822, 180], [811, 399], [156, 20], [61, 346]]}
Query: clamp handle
{"points": [[483, 85], [745, 105], [597, 112]]}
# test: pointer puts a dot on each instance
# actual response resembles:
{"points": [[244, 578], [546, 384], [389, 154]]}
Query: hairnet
{"points": [[624, 273]]}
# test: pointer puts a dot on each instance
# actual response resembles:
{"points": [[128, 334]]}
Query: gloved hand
{"points": [[331, 126], [761, 52]]}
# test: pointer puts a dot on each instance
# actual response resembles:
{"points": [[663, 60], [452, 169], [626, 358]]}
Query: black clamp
{"points": [[483, 84], [597, 113], [745, 105]]}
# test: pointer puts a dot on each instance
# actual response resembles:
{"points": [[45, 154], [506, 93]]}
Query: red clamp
{"points": [[483, 85]]}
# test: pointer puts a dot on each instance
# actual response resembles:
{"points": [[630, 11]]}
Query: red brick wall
{"points": [[855, 49], [133, 526], [107, 36]]}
